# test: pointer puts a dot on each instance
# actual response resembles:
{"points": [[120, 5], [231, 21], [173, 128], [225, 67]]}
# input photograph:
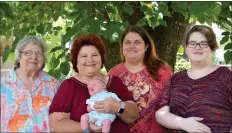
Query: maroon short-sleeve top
{"points": [[72, 95]]}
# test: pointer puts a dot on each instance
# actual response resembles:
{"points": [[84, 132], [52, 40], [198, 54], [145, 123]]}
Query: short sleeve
{"points": [[63, 99], [166, 95], [120, 89], [115, 71], [166, 73]]}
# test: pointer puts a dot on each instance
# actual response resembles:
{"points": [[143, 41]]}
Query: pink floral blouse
{"points": [[147, 94]]}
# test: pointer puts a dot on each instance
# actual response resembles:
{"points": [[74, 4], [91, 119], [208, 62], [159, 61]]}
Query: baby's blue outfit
{"points": [[101, 116]]}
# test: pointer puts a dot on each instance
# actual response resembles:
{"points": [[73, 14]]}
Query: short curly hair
{"points": [[87, 40]]}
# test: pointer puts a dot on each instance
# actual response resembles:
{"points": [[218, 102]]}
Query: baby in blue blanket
{"points": [[98, 92]]}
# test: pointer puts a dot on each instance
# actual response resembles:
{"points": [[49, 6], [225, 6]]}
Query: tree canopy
{"points": [[59, 22]]}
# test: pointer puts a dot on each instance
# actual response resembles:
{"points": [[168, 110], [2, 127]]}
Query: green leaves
{"points": [[204, 11], [182, 8], [40, 29], [228, 46], [5, 10], [54, 62], [55, 49], [128, 9], [142, 22], [224, 40], [163, 8], [70, 32], [59, 22], [228, 56], [163, 22], [6, 53], [65, 67], [227, 42]]}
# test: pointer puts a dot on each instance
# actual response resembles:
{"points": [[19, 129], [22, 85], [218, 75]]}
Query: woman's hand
{"points": [[94, 128], [192, 124], [109, 105]]}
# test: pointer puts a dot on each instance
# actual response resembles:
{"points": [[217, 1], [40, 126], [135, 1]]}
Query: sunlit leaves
{"points": [[106, 19], [228, 56], [55, 49]]}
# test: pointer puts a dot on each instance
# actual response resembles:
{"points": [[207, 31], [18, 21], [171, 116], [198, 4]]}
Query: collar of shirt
{"points": [[12, 78]]}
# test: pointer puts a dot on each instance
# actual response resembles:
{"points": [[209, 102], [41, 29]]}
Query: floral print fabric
{"points": [[147, 95], [25, 111]]}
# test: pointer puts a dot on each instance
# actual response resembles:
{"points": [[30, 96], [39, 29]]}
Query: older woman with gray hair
{"points": [[27, 91]]}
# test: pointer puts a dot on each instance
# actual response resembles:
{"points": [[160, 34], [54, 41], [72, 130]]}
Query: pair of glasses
{"points": [[193, 44], [29, 53]]}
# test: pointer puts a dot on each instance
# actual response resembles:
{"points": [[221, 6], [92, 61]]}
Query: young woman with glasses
{"points": [[198, 99]]}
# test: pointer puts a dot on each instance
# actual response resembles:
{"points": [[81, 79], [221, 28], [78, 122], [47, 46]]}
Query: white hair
{"points": [[26, 41]]}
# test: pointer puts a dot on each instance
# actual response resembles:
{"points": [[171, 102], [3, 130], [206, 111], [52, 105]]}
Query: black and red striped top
{"points": [[209, 97]]}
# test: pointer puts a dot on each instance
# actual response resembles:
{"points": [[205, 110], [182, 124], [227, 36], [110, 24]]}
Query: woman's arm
{"points": [[60, 122], [171, 121], [130, 113], [111, 105], [63, 102]]}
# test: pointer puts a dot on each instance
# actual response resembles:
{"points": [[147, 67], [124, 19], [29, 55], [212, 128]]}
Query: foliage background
{"points": [[59, 22]]}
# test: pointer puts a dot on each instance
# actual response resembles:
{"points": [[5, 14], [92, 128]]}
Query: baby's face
{"points": [[95, 86]]}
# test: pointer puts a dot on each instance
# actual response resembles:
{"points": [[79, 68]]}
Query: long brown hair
{"points": [[151, 60]]}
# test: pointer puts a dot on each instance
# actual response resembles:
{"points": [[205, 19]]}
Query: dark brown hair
{"points": [[207, 32], [151, 60], [84, 40]]}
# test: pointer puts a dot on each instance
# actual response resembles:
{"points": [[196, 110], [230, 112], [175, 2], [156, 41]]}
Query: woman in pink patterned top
{"points": [[144, 74]]}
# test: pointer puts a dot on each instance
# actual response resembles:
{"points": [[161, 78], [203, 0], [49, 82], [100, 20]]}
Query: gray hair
{"points": [[25, 41]]}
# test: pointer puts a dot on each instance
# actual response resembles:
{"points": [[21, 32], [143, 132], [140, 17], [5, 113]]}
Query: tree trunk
{"points": [[112, 54], [168, 39]]}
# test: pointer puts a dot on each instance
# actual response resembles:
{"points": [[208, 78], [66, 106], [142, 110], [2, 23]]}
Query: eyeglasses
{"points": [[193, 44], [29, 53]]}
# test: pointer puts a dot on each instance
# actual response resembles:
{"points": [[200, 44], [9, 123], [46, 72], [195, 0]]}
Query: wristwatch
{"points": [[121, 109]]}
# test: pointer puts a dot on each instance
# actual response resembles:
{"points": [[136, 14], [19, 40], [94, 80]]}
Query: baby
{"points": [[98, 92]]}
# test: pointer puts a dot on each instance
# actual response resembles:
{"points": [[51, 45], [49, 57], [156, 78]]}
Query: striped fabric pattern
{"points": [[209, 97]]}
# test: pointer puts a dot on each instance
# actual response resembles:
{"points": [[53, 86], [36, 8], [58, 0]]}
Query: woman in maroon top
{"points": [[88, 57], [198, 99]]}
